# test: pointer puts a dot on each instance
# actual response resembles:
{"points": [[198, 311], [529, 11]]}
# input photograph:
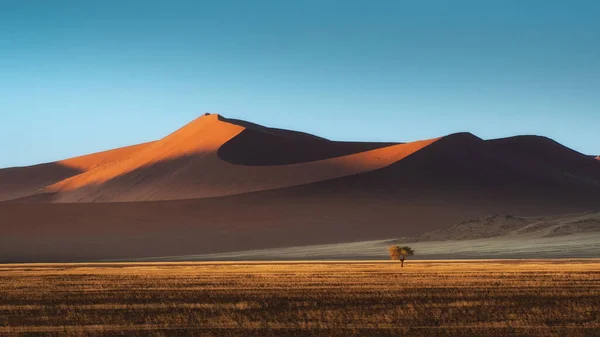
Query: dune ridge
{"points": [[214, 156]]}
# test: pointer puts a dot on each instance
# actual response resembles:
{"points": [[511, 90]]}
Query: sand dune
{"points": [[214, 156], [88, 162], [202, 190], [21, 182], [545, 156], [186, 165], [261, 146], [367, 206], [304, 215]]}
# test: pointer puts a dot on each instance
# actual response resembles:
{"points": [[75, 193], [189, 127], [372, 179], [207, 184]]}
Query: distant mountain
{"points": [[219, 185]]}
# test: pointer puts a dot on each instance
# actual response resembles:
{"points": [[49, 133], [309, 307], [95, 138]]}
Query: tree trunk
{"points": [[402, 263]]}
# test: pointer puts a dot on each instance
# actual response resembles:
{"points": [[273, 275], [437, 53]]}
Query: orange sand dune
{"points": [[88, 162], [307, 190], [19, 182], [186, 165]]}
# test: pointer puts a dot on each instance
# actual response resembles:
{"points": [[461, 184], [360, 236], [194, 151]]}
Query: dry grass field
{"points": [[426, 298]]}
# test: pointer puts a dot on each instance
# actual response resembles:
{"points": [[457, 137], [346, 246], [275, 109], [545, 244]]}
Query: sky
{"points": [[83, 76]]}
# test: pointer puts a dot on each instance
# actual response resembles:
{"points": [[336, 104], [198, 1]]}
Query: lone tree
{"points": [[400, 253]]}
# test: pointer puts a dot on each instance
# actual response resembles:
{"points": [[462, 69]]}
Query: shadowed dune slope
{"points": [[542, 155], [22, 182], [261, 146], [466, 172], [186, 164], [455, 178]]}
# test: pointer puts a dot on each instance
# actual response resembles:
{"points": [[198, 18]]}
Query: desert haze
{"points": [[221, 185]]}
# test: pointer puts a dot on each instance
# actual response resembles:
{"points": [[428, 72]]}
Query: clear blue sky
{"points": [[83, 76]]}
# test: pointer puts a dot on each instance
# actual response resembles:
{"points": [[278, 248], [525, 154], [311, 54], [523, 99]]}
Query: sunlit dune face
{"points": [[200, 137], [382, 157], [204, 135], [23, 182], [87, 162]]}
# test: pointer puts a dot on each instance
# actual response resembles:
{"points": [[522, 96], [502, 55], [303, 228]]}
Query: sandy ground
{"points": [[356, 298], [560, 236], [583, 245]]}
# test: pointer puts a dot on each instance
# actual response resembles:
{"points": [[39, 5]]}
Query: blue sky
{"points": [[84, 76]]}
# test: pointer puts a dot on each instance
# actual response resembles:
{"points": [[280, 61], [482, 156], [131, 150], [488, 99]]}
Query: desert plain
{"points": [[300, 298]]}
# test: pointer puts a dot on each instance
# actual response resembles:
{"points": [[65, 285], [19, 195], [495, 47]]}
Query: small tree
{"points": [[394, 252], [400, 253]]}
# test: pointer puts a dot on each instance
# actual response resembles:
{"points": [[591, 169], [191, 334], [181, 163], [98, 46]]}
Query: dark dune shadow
{"points": [[266, 147], [264, 129], [544, 155]]}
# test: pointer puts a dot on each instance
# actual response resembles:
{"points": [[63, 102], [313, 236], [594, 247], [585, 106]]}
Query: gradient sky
{"points": [[82, 76]]}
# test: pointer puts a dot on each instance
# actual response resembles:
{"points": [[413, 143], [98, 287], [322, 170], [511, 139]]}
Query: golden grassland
{"points": [[437, 298]]}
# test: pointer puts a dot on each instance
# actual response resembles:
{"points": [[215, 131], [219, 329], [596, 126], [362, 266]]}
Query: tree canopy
{"points": [[400, 253]]}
